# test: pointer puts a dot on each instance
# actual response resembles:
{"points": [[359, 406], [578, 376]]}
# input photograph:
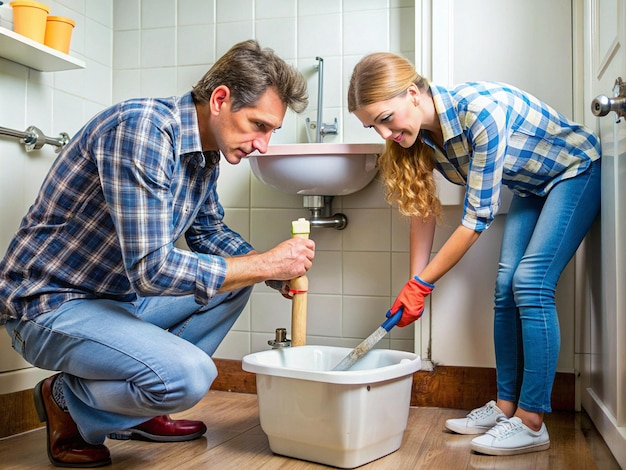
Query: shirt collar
{"points": [[447, 112], [191, 146]]}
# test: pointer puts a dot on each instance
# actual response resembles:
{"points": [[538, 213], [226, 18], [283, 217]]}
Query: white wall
{"points": [[161, 48], [54, 102], [527, 44], [164, 47]]}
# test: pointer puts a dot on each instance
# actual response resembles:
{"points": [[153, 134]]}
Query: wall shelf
{"points": [[35, 55]]}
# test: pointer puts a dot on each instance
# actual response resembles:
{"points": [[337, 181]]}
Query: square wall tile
{"points": [[371, 196], [72, 81], [402, 29], [264, 196], [366, 273], [269, 311], [229, 34], [158, 82], [400, 272], [101, 12], [361, 5], [264, 9], [308, 7], [238, 220], [278, 34], [269, 227], [235, 345], [98, 83], [368, 230], [234, 10], [158, 47], [258, 341], [196, 45], [126, 50], [127, 84], [233, 185], [325, 274], [187, 76], [193, 12], [99, 43], [319, 35], [323, 315], [362, 315], [365, 31], [158, 14], [400, 231], [126, 14]]}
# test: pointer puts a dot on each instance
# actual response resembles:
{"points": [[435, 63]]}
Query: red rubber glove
{"points": [[411, 297]]}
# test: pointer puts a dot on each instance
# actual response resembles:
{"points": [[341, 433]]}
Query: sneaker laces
{"points": [[478, 413], [505, 427]]}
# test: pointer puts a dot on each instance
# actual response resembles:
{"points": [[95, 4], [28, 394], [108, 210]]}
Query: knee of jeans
{"points": [[194, 376], [530, 288], [504, 281]]}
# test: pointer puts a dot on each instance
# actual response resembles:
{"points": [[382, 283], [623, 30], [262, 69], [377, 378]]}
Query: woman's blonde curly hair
{"points": [[407, 173]]}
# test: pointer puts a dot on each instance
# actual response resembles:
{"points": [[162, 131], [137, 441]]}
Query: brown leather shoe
{"points": [[163, 429], [66, 447]]}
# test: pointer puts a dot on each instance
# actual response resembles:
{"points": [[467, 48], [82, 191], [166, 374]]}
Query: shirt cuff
{"points": [[210, 277]]}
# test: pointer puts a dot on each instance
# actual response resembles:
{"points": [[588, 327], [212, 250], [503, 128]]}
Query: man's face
{"points": [[240, 133]]}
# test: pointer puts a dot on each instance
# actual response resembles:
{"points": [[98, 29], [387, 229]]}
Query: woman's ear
{"points": [[219, 97], [414, 94]]}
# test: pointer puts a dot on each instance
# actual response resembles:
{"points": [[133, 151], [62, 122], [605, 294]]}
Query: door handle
{"points": [[603, 105]]}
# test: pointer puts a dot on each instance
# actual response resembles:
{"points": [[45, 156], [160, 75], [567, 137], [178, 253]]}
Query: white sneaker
{"points": [[478, 421], [511, 437]]}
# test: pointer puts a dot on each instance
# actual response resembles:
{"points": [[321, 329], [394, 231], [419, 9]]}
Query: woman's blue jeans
{"points": [[541, 235], [126, 362]]}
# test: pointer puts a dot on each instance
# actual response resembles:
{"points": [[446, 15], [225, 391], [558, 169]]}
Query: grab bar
{"points": [[34, 139]]}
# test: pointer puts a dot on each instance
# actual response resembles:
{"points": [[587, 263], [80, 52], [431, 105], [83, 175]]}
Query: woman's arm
{"points": [[421, 242], [450, 254]]}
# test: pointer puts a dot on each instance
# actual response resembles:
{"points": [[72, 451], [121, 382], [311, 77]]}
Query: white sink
{"points": [[317, 169]]}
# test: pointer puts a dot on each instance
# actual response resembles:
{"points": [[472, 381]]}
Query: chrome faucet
{"points": [[321, 129]]}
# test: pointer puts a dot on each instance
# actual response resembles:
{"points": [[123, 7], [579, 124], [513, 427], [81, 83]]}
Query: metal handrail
{"points": [[34, 139]]}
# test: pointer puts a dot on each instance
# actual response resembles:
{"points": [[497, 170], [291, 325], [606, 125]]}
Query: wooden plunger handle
{"points": [[299, 288]]}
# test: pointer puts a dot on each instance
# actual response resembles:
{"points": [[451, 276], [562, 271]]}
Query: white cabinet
{"points": [[527, 44]]}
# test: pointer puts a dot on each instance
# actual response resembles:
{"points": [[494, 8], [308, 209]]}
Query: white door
{"points": [[601, 350]]}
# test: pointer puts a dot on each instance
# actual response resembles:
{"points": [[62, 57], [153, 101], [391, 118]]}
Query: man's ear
{"points": [[219, 97]]}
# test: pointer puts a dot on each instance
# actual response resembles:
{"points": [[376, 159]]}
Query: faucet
{"points": [[321, 129]]}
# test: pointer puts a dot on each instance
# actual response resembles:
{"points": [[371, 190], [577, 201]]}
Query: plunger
{"points": [[299, 287]]}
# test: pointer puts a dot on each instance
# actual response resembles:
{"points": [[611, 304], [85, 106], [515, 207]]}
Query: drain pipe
{"points": [[320, 210]]}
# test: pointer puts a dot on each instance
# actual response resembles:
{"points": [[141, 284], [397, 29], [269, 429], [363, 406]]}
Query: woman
{"points": [[486, 135]]}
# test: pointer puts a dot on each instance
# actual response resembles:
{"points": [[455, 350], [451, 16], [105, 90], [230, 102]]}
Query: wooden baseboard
{"points": [[444, 387]]}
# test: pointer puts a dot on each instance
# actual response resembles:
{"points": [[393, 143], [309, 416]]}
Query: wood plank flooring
{"points": [[236, 441]]}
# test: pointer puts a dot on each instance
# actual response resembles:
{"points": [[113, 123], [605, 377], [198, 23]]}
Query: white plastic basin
{"points": [[317, 169], [339, 418]]}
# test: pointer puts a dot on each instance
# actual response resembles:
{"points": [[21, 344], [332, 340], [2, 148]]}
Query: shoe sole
{"points": [[138, 435], [518, 450]]}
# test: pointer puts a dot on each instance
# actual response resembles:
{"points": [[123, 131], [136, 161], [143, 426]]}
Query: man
{"points": [[92, 284]]}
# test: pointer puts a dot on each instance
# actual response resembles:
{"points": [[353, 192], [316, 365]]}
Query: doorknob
{"points": [[603, 105]]}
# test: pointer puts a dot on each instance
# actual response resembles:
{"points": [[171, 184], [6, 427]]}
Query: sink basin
{"points": [[317, 169]]}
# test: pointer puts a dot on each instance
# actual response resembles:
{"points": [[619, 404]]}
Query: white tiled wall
{"points": [[54, 102], [163, 47]]}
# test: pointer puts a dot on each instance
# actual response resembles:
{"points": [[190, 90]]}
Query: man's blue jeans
{"points": [[124, 363], [541, 235]]}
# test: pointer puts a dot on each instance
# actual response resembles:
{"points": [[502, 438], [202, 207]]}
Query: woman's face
{"points": [[398, 119]]}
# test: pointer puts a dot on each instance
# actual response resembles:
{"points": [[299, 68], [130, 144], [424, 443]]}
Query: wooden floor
{"points": [[235, 440]]}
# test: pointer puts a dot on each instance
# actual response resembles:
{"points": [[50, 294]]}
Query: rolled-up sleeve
{"points": [[486, 129]]}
